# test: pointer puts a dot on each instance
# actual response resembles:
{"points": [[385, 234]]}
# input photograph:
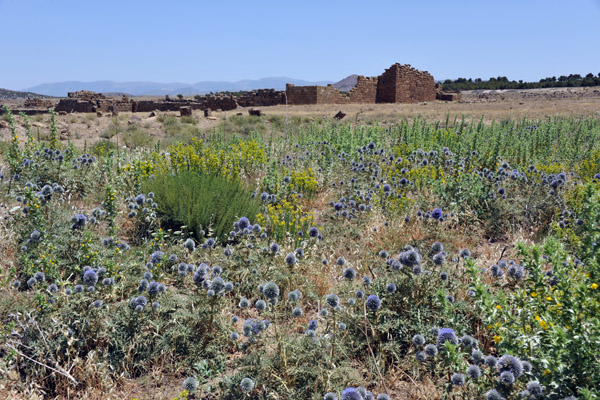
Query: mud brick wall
{"points": [[301, 94], [262, 97], [85, 95], [330, 95], [404, 84], [75, 105], [365, 90], [37, 103]]}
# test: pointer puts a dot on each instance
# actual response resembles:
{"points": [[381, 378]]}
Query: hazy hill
{"points": [[346, 84], [13, 94], [60, 89]]}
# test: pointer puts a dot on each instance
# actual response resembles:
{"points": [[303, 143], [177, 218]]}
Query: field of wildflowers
{"points": [[446, 260]]}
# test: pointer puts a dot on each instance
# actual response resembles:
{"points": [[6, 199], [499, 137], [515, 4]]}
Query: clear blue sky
{"points": [[188, 41]]}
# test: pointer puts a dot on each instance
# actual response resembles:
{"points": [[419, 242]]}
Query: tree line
{"points": [[502, 82]]}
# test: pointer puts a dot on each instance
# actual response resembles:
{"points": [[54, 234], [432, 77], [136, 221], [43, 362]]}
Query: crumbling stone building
{"points": [[398, 84]]}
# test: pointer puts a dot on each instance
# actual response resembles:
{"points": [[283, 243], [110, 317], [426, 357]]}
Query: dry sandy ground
{"points": [[491, 105]]}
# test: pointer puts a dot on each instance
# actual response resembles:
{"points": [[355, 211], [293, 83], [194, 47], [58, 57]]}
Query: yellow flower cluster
{"points": [[304, 182], [286, 217]]}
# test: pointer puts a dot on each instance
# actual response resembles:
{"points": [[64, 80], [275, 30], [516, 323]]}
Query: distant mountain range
{"points": [[13, 94], [346, 84], [60, 89]]}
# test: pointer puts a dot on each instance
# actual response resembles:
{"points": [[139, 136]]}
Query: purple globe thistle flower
{"points": [[474, 372], [458, 379], [446, 335], [436, 213], [373, 302], [511, 364], [494, 395], [349, 273], [90, 278], [156, 257], [351, 394], [243, 223], [290, 259]]}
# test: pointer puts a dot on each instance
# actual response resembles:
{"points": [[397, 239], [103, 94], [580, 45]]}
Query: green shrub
{"points": [[202, 202], [135, 136]]}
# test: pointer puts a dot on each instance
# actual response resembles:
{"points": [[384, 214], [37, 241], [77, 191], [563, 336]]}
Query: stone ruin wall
{"points": [[262, 98], [365, 90], [404, 84], [398, 84], [301, 94]]}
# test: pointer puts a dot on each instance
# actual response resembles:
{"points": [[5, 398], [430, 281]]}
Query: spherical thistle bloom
{"points": [[421, 356], [516, 272], [244, 303], [97, 303], [418, 340], [324, 312], [274, 248], [431, 350], [468, 341], [290, 259], [490, 361], [340, 261], [53, 288], [535, 389], [444, 275], [511, 364], [90, 278], [294, 295], [383, 396], [360, 294], [313, 232], [437, 247], [436, 213], [527, 367], [330, 396], [190, 384], [234, 336], [477, 356], [351, 394], [465, 253], [271, 290], [446, 335], [439, 259], [108, 281], [507, 378], [217, 284], [474, 372], [349, 273], [494, 395], [39, 276], [260, 305], [312, 324], [383, 254], [156, 257], [189, 244], [457, 379], [332, 300], [366, 280], [341, 326], [247, 385], [297, 312], [155, 305], [390, 288], [78, 288], [373, 302]]}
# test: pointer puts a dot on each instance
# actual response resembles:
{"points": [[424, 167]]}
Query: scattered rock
{"points": [[115, 113], [62, 113], [239, 114], [99, 114], [207, 112], [185, 111], [152, 114], [255, 111], [212, 118], [340, 115]]}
